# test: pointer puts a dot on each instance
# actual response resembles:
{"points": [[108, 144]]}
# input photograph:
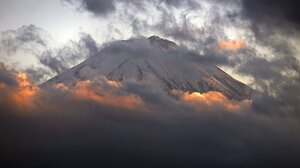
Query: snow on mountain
{"points": [[158, 61]]}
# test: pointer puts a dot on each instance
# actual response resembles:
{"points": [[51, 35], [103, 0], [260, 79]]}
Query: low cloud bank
{"points": [[105, 123]]}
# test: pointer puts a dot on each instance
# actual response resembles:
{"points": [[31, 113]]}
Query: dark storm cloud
{"points": [[269, 17], [97, 7], [273, 11], [63, 130]]}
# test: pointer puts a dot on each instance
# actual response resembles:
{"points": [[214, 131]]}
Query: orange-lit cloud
{"points": [[231, 45], [110, 93], [2, 85], [86, 91], [25, 95], [21, 95], [211, 99], [114, 84], [25, 92], [61, 86]]}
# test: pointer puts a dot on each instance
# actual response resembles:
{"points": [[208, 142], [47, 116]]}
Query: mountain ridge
{"points": [[158, 61]]}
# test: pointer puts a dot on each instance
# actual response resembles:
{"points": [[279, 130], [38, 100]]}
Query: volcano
{"points": [[156, 61]]}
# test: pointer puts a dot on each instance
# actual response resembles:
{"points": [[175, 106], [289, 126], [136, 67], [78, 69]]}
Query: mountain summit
{"points": [[163, 43], [157, 61]]}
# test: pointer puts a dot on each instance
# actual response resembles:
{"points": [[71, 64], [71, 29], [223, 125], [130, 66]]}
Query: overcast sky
{"points": [[63, 20]]}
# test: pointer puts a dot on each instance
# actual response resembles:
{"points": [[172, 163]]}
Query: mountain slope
{"points": [[158, 61]]}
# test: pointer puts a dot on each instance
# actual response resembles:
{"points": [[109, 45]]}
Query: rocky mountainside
{"points": [[158, 61]]}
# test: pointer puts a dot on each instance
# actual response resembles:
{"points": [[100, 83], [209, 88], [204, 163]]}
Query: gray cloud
{"points": [[104, 7], [6, 77], [32, 40], [277, 78], [97, 7], [38, 75], [29, 38], [191, 4], [69, 55], [52, 62]]}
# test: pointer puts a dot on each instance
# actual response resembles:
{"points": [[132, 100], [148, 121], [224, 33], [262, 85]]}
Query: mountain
{"points": [[158, 61]]}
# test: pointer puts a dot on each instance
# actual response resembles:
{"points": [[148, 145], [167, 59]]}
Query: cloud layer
{"points": [[134, 125]]}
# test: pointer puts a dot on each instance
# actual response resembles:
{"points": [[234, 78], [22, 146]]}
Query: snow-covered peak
{"points": [[156, 64], [163, 43]]}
